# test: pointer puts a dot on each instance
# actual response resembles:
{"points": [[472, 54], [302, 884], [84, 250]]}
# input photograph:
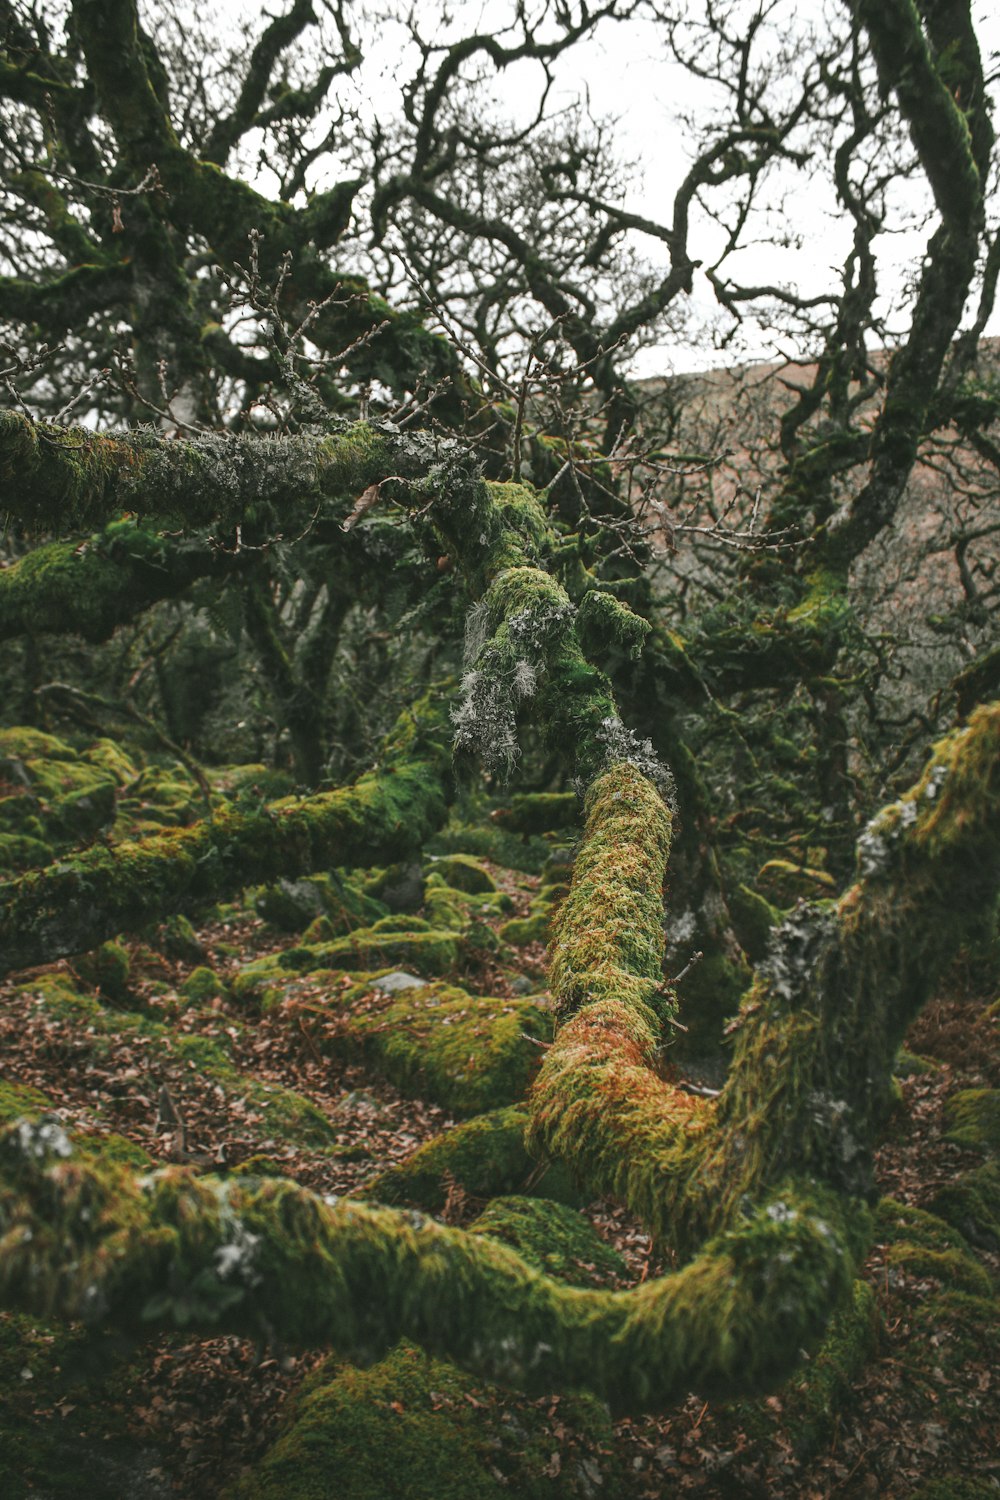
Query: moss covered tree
{"points": [[495, 541]]}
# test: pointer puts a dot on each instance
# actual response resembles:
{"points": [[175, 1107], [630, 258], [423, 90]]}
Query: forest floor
{"points": [[908, 1403]]}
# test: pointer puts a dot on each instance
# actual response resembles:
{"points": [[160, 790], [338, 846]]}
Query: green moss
{"points": [[107, 970], [972, 1205], [900, 1223], [20, 851], [414, 1427], [973, 1117], [290, 905], [429, 952], [485, 1157], [177, 939], [909, 1065], [202, 986], [79, 901], [289, 1115], [784, 883], [467, 1053], [816, 1401], [552, 1237], [536, 928], [754, 919], [953, 1268], [539, 812], [24, 744], [463, 872], [17, 1099], [606, 623]]}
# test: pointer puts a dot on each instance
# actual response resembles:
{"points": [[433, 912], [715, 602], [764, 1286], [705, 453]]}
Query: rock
{"points": [[398, 980]]}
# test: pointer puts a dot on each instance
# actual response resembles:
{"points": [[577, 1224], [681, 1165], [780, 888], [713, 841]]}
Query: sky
{"points": [[623, 74]]}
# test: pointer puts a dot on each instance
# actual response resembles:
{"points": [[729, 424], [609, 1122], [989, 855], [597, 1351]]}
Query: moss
{"points": [[816, 1401], [290, 1116], [107, 970], [607, 624], [404, 922], [609, 940], [414, 1427], [784, 883], [290, 905], [553, 1238], [909, 1065], [456, 909], [467, 1053], [20, 851], [972, 1205], [463, 872], [973, 1117], [202, 986], [899, 1223], [177, 939], [753, 918], [953, 1268], [17, 1099], [536, 928], [485, 1157], [539, 812], [429, 952]]}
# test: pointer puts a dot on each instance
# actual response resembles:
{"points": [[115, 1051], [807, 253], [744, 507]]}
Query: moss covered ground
{"points": [[374, 1035]]}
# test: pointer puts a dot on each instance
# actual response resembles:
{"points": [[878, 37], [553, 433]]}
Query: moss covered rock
{"points": [[485, 1157], [415, 1428], [107, 970], [469, 1053], [972, 1205], [974, 1119], [202, 986], [463, 872]]}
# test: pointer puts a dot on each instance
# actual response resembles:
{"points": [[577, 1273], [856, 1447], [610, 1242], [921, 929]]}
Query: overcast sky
{"points": [[623, 74]]}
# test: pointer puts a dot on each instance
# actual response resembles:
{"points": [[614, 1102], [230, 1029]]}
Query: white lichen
{"points": [[38, 1139]]}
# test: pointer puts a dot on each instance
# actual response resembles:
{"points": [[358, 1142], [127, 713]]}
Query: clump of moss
{"points": [[463, 872], [972, 1205], [429, 951], [974, 1119], [17, 1099], [107, 969], [412, 1427], [953, 1268], [485, 1157], [448, 906], [552, 1237], [202, 986], [469, 1053], [177, 939]]}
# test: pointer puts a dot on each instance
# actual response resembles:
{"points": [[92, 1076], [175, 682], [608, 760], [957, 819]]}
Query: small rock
{"points": [[398, 980]]}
